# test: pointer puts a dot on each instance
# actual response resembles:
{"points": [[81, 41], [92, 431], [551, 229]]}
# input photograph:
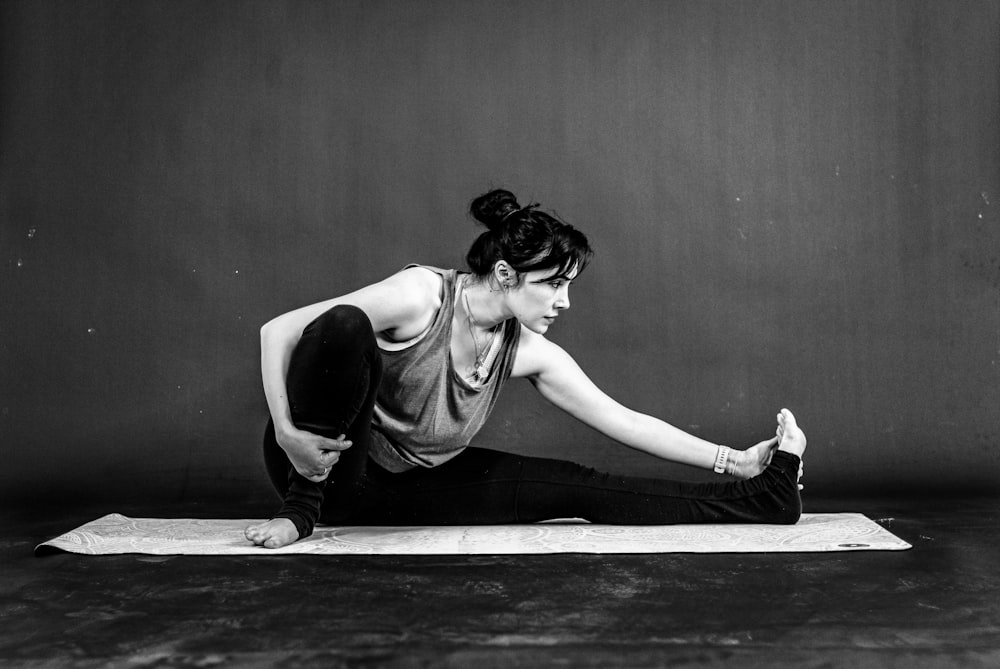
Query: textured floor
{"points": [[937, 605]]}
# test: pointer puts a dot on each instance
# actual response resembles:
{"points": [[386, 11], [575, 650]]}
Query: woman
{"points": [[374, 397]]}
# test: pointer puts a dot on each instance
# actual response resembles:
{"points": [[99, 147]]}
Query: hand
{"points": [[312, 455], [754, 460]]}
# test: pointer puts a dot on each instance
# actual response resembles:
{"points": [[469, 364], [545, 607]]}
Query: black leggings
{"points": [[332, 382]]}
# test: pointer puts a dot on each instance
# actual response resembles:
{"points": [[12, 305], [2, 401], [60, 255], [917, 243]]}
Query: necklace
{"points": [[480, 368]]}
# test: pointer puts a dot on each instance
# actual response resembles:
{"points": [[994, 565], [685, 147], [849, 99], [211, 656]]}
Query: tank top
{"points": [[425, 412]]}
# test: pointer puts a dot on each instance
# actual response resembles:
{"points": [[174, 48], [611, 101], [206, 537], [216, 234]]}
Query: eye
{"points": [[557, 284]]}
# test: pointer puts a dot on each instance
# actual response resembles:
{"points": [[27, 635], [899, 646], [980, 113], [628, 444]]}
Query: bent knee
{"points": [[345, 320]]}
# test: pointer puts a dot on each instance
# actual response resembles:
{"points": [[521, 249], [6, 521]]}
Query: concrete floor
{"points": [[937, 605]]}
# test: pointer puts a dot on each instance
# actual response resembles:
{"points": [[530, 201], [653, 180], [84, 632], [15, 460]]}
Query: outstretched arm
{"points": [[560, 380]]}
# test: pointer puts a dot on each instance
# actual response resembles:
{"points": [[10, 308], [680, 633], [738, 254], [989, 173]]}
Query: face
{"points": [[539, 298]]}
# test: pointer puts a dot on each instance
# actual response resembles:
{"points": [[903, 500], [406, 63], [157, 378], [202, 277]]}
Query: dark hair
{"points": [[528, 239]]}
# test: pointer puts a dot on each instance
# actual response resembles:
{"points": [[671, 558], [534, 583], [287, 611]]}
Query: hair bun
{"points": [[492, 208]]}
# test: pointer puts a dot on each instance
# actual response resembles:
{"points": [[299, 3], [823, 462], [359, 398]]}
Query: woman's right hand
{"points": [[754, 460], [312, 455]]}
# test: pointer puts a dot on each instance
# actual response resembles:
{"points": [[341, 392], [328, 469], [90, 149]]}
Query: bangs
{"points": [[569, 254]]}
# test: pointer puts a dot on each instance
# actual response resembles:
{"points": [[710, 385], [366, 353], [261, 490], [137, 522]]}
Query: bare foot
{"points": [[791, 439], [275, 533]]}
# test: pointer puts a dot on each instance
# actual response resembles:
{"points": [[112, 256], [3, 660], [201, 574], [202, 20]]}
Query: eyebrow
{"points": [[556, 277]]}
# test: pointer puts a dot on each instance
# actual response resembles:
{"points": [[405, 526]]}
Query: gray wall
{"points": [[793, 204]]}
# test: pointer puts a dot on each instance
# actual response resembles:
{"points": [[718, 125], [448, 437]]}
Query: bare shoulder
{"points": [[408, 299], [418, 285]]}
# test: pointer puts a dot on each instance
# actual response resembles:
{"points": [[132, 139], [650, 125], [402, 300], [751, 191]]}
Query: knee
{"points": [[343, 320], [343, 330]]}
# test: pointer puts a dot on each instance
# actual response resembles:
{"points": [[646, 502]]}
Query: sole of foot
{"points": [[791, 438]]}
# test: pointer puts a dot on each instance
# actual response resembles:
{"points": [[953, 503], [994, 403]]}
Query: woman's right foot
{"points": [[791, 438], [275, 533]]}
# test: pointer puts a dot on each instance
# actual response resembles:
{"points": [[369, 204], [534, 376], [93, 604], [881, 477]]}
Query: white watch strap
{"points": [[721, 459]]}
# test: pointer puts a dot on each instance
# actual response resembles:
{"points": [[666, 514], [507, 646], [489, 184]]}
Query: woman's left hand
{"points": [[754, 460]]}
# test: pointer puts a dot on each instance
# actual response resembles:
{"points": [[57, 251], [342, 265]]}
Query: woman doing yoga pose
{"points": [[375, 396]]}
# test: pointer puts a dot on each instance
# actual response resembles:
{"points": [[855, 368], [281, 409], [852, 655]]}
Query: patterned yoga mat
{"points": [[816, 532]]}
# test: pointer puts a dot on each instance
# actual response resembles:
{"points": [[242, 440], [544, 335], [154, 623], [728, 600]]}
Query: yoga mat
{"points": [[115, 533]]}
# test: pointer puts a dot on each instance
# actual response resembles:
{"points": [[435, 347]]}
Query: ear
{"points": [[505, 275]]}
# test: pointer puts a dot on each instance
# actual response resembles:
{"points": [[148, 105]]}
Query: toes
{"points": [[267, 540], [274, 533], [255, 537], [259, 535]]}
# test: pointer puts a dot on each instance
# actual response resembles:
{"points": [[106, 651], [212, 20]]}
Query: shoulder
{"points": [[409, 301], [422, 277], [417, 285]]}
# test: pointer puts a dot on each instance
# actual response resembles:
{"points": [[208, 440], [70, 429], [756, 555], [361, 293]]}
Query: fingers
{"points": [[318, 471], [320, 476], [328, 459], [341, 443], [320, 455], [770, 444], [328, 456]]}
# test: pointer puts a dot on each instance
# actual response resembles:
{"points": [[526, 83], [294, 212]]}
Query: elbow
{"points": [[270, 330], [265, 330], [278, 332]]}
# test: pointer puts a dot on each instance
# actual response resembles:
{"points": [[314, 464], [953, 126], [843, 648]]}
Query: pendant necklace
{"points": [[480, 369]]}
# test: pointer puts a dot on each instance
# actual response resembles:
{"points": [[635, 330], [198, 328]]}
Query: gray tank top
{"points": [[425, 412]]}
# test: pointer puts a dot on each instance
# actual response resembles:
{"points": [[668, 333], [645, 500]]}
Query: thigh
{"points": [[334, 373], [476, 487], [483, 487]]}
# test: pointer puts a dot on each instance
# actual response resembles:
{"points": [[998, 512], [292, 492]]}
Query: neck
{"points": [[487, 306]]}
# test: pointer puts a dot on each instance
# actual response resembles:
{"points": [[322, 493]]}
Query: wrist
{"points": [[282, 431], [723, 456], [735, 462]]}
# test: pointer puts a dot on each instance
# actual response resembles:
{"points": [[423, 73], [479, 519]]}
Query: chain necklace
{"points": [[480, 369]]}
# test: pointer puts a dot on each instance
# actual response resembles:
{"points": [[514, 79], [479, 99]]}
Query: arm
{"points": [[401, 306], [560, 380]]}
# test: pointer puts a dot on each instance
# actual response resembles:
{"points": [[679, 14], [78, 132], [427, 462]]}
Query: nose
{"points": [[562, 298]]}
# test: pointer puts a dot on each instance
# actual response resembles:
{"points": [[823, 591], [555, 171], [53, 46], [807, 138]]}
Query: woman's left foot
{"points": [[274, 533]]}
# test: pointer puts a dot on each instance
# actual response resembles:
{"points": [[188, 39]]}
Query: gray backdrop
{"points": [[793, 204]]}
